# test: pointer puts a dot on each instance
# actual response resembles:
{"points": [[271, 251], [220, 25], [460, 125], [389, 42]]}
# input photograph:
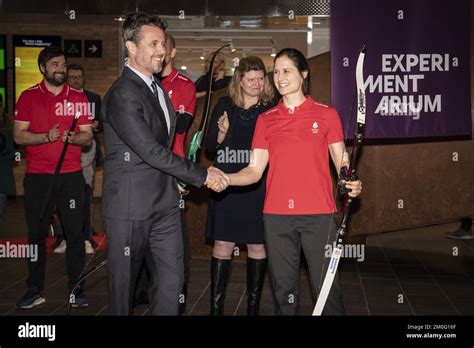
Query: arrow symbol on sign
{"points": [[93, 48]]}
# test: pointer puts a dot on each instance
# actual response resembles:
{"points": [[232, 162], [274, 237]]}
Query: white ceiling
{"points": [[196, 36]]}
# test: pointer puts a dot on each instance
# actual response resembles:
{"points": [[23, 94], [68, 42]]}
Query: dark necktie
{"points": [[162, 103], [155, 88]]}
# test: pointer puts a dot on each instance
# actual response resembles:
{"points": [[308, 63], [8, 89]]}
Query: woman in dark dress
{"points": [[235, 216]]}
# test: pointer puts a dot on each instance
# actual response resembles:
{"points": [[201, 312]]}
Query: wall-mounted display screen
{"points": [[26, 50]]}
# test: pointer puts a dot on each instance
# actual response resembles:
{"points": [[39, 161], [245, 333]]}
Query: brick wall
{"points": [[100, 72]]}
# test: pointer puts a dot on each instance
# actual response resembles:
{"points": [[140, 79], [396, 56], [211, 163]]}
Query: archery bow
{"points": [[83, 276], [51, 188], [348, 174], [196, 141], [197, 138]]}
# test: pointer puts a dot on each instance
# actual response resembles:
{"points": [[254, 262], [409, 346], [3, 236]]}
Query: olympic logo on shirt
{"points": [[315, 128]]}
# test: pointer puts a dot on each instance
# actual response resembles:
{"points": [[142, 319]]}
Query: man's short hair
{"points": [[170, 40], [75, 67], [135, 21], [49, 53]]}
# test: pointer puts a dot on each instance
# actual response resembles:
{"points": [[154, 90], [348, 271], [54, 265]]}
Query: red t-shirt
{"points": [[182, 93], [299, 181], [43, 110]]}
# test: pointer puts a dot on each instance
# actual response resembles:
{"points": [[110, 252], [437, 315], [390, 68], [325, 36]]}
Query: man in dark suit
{"points": [[76, 78], [140, 194]]}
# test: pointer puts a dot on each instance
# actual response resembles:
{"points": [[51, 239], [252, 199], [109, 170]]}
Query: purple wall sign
{"points": [[417, 66]]}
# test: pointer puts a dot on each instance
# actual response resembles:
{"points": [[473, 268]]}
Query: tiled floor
{"points": [[412, 272]]}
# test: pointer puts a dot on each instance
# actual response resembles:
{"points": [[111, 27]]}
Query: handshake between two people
{"points": [[216, 180]]}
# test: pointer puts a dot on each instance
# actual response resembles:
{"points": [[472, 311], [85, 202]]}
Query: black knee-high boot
{"points": [[255, 276], [220, 270]]}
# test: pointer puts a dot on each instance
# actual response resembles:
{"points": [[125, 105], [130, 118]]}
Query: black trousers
{"points": [[144, 276], [88, 213], [69, 199], [285, 235], [160, 243]]}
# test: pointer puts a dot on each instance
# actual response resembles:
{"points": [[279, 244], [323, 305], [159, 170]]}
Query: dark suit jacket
{"points": [[95, 99], [140, 167]]}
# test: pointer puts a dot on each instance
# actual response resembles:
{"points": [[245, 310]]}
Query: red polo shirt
{"points": [[43, 110], [299, 181], [182, 93]]}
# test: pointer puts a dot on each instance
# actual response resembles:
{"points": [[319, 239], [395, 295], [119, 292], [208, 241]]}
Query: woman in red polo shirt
{"points": [[294, 138]]}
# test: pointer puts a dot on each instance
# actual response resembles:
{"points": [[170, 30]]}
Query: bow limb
{"points": [[196, 141], [361, 108], [51, 188], [357, 142], [342, 228], [85, 275]]}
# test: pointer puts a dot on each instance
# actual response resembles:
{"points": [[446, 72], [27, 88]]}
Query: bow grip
{"points": [[345, 175]]}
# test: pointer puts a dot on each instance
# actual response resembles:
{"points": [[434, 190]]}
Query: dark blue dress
{"points": [[235, 215]]}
